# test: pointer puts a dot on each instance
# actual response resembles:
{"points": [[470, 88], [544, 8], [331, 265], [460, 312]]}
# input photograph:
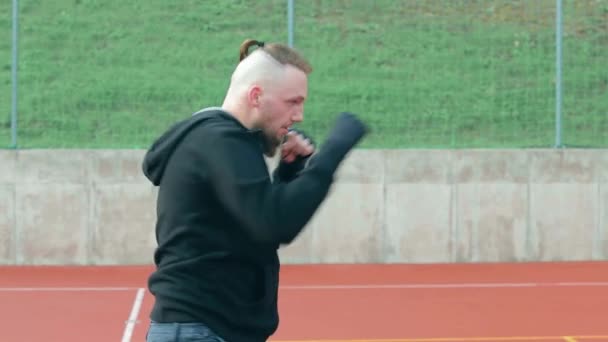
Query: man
{"points": [[221, 216]]}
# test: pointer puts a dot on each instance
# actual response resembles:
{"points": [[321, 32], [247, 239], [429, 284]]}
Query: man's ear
{"points": [[253, 96]]}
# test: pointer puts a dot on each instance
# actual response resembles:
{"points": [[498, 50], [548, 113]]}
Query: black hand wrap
{"points": [[287, 171], [348, 130]]}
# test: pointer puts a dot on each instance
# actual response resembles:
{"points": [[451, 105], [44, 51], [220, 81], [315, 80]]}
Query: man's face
{"points": [[281, 106]]}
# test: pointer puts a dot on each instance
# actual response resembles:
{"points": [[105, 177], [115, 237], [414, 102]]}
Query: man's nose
{"points": [[298, 115]]}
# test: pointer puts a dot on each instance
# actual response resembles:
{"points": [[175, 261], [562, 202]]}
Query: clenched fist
{"points": [[296, 145]]}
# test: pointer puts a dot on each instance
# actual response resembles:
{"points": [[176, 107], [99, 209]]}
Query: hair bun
{"points": [[246, 45]]}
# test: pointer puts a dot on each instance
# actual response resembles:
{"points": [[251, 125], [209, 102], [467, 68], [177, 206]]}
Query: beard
{"points": [[271, 143]]}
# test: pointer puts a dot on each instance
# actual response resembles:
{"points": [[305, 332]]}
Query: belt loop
{"points": [[177, 331]]}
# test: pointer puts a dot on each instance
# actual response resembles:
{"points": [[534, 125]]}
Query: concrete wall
{"points": [[415, 206]]}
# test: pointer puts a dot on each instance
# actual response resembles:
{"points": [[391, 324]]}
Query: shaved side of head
{"points": [[259, 68], [265, 68], [267, 61], [267, 89]]}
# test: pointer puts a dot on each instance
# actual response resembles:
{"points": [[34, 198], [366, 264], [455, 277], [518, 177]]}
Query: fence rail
{"points": [[424, 73]]}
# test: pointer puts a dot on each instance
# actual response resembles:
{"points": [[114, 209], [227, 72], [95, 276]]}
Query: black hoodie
{"points": [[221, 218]]}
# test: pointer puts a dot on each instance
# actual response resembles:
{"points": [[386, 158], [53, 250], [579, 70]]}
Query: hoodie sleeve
{"points": [[285, 172], [270, 212]]}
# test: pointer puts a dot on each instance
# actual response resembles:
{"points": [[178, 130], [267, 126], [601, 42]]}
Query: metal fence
{"points": [[424, 73]]}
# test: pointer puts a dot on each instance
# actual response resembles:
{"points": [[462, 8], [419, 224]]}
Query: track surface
{"points": [[385, 303]]}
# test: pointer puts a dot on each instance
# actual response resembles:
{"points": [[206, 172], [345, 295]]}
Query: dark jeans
{"points": [[181, 332]]}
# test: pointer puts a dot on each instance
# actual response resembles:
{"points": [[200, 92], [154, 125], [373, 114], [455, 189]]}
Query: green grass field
{"points": [[424, 74]]}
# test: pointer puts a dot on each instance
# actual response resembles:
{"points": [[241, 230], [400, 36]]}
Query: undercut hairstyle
{"points": [[280, 52]]}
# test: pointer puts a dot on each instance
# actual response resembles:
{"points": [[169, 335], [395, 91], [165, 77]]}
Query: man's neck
{"points": [[239, 113]]}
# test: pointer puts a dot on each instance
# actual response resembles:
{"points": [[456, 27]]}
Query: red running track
{"points": [[399, 303]]}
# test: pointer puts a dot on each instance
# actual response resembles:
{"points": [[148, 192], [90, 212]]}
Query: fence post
{"points": [[290, 23], [14, 76], [558, 76]]}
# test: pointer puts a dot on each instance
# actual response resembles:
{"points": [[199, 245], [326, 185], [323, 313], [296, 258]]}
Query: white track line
{"points": [[345, 286], [128, 332], [443, 286], [65, 289]]}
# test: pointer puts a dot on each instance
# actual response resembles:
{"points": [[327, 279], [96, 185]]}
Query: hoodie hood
{"points": [[157, 156]]}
